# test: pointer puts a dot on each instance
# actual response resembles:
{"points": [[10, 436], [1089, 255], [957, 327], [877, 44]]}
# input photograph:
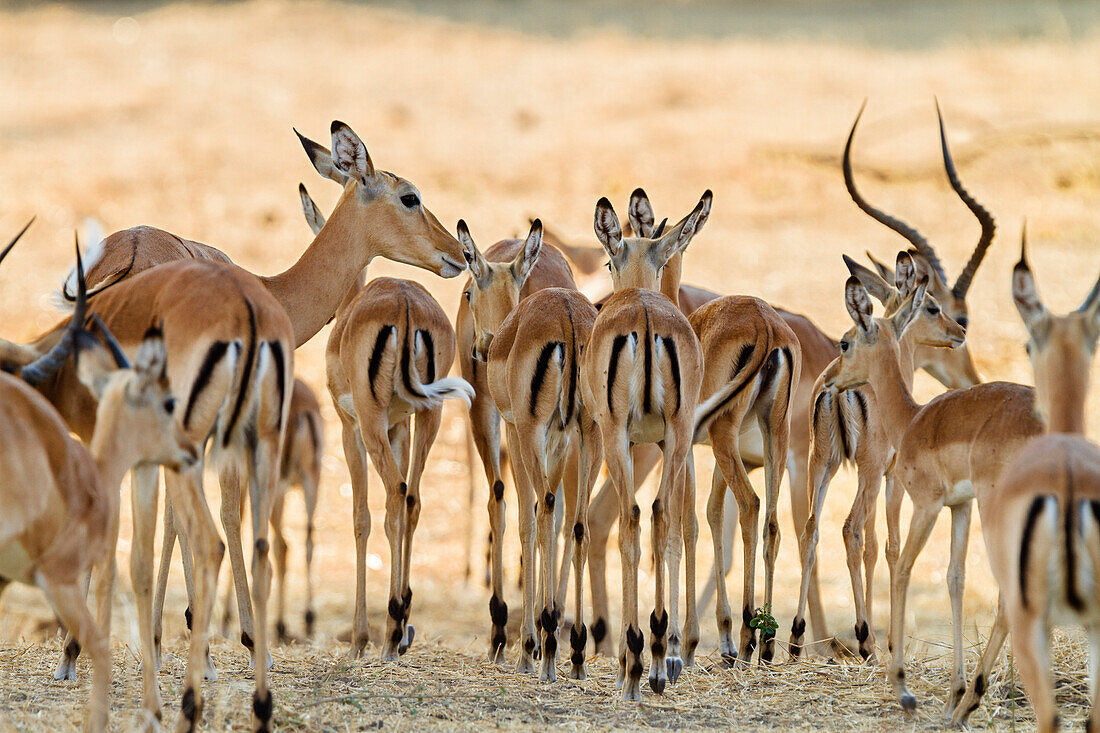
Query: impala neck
{"points": [[1065, 412], [670, 278], [907, 362], [330, 271], [892, 391], [110, 461]]}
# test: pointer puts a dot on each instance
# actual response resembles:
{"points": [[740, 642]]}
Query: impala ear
{"points": [[478, 267], [905, 274], [694, 222], [903, 316], [881, 290], [349, 154], [314, 217], [606, 224], [859, 304], [321, 159], [94, 365], [1091, 306], [1024, 292], [640, 214], [881, 267], [526, 259]]}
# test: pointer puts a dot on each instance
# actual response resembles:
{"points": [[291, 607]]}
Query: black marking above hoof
{"points": [[635, 642], [498, 490], [798, 628], [529, 645], [246, 640], [187, 617], [72, 649], [310, 617], [262, 707], [658, 626], [863, 632], [979, 685], [396, 609], [578, 639], [188, 707], [599, 631], [908, 702], [498, 611], [280, 630]]}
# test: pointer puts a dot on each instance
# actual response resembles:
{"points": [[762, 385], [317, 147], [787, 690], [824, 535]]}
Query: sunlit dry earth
{"points": [[181, 118]]}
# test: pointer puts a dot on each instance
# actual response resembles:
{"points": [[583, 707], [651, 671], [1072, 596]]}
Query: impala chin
{"points": [[449, 268]]}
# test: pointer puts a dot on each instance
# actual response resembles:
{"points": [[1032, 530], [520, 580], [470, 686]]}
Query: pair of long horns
{"points": [[962, 284], [46, 366]]}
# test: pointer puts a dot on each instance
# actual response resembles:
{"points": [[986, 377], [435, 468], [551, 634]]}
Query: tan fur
{"points": [[375, 422]]}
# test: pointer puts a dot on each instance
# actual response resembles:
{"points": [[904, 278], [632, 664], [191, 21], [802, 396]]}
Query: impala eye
{"points": [[844, 345], [170, 405], [411, 200], [933, 310], [607, 265], [466, 295]]}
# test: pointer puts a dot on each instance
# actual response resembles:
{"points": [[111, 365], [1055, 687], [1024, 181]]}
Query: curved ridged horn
{"points": [[912, 235], [989, 226], [112, 343], [16, 238], [47, 365]]}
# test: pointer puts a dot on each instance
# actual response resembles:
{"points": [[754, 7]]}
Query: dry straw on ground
{"points": [[181, 118]]}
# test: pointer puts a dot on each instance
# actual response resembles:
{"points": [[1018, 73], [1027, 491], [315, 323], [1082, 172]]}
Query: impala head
{"points": [[493, 290], [413, 234], [638, 261], [955, 368], [136, 414], [1061, 349], [872, 339]]}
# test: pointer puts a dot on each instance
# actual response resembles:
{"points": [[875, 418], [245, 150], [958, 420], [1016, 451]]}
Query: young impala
{"points": [[61, 499], [533, 358], [382, 359], [1041, 523], [948, 451]]}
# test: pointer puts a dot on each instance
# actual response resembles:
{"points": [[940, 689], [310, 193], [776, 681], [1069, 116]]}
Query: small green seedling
{"points": [[764, 620]]}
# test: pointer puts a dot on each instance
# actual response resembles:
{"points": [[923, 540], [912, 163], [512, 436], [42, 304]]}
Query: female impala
{"points": [[947, 451], [533, 353], [1054, 483], [381, 360], [499, 265]]}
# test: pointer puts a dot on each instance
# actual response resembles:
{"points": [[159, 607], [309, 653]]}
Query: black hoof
{"points": [[729, 660], [908, 703], [674, 667], [410, 634], [657, 684]]}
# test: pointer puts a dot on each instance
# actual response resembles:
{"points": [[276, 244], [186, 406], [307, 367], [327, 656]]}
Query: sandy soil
{"points": [[181, 118]]}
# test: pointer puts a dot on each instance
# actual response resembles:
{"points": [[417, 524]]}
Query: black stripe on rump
{"points": [[541, 365], [406, 362], [647, 401], [246, 374], [743, 357], [376, 353], [280, 377], [613, 368], [206, 370], [573, 366], [742, 360], [1033, 513], [674, 365], [429, 344], [1073, 596]]}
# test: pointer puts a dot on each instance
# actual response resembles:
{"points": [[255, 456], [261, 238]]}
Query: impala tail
{"points": [[748, 373], [426, 395]]}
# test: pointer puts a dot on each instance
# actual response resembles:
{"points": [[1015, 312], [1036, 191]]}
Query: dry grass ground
{"points": [[181, 118]]}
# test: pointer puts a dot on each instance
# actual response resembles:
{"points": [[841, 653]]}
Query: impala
{"points": [[946, 452], [61, 499], [848, 427], [1042, 516], [382, 359], [500, 261], [533, 359]]}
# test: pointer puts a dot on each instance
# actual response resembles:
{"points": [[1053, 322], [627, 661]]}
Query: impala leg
{"points": [[70, 647], [602, 517], [798, 455], [1031, 647], [715, 516], [775, 428], [973, 697], [1093, 631], [263, 483], [674, 550], [870, 559], [855, 546], [920, 527], [427, 428], [525, 492], [729, 537], [167, 548], [310, 489], [956, 581], [356, 457], [68, 601], [143, 500], [590, 456], [570, 480], [230, 479], [675, 454], [196, 523], [279, 552], [691, 538], [823, 467], [485, 432]]}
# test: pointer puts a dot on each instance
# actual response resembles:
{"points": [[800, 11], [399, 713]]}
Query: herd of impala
{"points": [[173, 355]]}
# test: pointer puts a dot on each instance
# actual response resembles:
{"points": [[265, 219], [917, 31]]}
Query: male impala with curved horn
{"points": [[947, 451], [533, 354], [382, 359], [848, 427]]}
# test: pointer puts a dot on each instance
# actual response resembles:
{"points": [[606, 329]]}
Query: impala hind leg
{"points": [[632, 642], [310, 489], [691, 538], [263, 478], [279, 552], [427, 428], [356, 458], [68, 601], [485, 433], [590, 452], [956, 581], [855, 546], [527, 526], [143, 500], [1031, 647], [70, 647], [674, 548], [231, 510], [822, 469]]}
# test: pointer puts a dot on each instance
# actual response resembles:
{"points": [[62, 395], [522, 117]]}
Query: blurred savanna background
{"points": [[180, 116]]}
